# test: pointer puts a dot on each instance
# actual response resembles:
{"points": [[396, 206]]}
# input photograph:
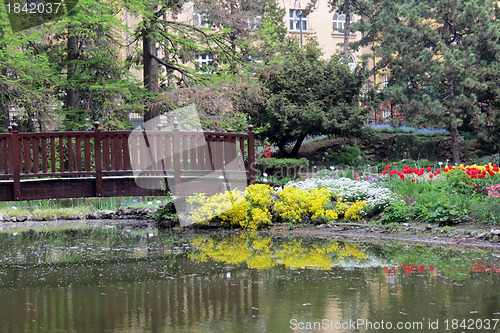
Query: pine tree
{"points": [[442, 54]]}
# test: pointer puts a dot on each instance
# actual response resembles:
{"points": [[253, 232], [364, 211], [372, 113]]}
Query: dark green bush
{"points": [[350, 155], [282, 167], [493, 159]]}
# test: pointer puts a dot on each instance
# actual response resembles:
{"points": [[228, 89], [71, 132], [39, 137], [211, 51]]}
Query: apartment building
{"points": [[325, 25]]}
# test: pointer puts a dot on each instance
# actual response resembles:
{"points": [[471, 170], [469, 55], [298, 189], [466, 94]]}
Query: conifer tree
{"points": [[442, 55]]}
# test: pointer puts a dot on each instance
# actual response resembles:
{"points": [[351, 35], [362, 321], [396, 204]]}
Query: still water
{"points": [[123, 281]]}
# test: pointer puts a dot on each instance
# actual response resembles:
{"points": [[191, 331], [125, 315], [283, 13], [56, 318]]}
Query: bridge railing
{"points": [[99, 154]]}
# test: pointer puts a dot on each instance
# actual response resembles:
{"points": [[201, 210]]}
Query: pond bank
{"points": [[466, 235]]}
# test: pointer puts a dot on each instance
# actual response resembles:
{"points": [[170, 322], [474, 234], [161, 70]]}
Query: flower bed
{"points": [[445, 195], [449, 195], [314, 200]]}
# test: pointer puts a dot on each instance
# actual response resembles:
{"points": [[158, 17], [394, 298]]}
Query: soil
{"points": [[462, 237], [465, 235]]}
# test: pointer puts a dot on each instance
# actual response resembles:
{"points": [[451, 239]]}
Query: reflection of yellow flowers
{"points": [[262, 252]]}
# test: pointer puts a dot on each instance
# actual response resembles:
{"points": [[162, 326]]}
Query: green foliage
{"points": [[306, 95], [443, 211], [411, 191], [350, 155], [282, 167], [440, 60], [398, 212], [493, 159], [485, 210]]}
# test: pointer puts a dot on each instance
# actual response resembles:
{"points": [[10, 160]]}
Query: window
{"points": [[385, 81], [297, 21], [202, 19], [339, 22], [204, 63], [254, 22], [350, 62]]}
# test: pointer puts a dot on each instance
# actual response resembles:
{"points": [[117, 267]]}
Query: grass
{"points": [[54, 208]]}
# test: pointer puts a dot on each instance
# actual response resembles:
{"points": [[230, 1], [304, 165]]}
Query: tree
{"points": [[26, 78], [349, 8], [168, 44], [97, 86], [306, 95], [442, 55]]}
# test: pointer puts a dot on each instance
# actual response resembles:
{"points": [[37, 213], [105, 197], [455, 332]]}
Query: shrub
{"points": [[443, 210], [282, 167], [250, 209], [375, 196], [294, 204], [350, 155], [490, 159], [486, 211], [398, 212]]}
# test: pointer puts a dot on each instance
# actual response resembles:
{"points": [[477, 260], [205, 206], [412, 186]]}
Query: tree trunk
{"points": [[283, 151], [347, 28], [71, 91], [297, 145], [455, 137], [150, 79], [455, 142], [295, 149]]}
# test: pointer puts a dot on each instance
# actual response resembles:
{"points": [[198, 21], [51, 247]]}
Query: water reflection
{"points": [[263, 252], [235, 283]]}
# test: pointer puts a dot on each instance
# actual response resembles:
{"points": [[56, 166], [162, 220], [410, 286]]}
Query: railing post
{"points": [[251, 155], [15, 156], [98, 159], [177, 156]]}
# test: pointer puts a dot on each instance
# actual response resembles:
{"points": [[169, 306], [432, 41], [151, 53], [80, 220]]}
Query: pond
{"points": [[126, 281]]}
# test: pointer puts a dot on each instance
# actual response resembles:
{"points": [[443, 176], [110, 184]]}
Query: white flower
{"points": [[150, 202], [13, 207], [375, 196], [264, 174], [158, 201], [332, 167], [440, 163]]}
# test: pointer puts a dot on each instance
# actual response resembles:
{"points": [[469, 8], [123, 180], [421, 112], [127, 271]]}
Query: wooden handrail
{"points": [[98, 154]]}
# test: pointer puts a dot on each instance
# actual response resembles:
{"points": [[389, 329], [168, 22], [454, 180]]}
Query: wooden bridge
{"points": [[109, 163]]}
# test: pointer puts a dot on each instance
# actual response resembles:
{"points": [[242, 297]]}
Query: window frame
{"points": [[294, 20], [203, 62], [342, 22], [201, 19]]}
